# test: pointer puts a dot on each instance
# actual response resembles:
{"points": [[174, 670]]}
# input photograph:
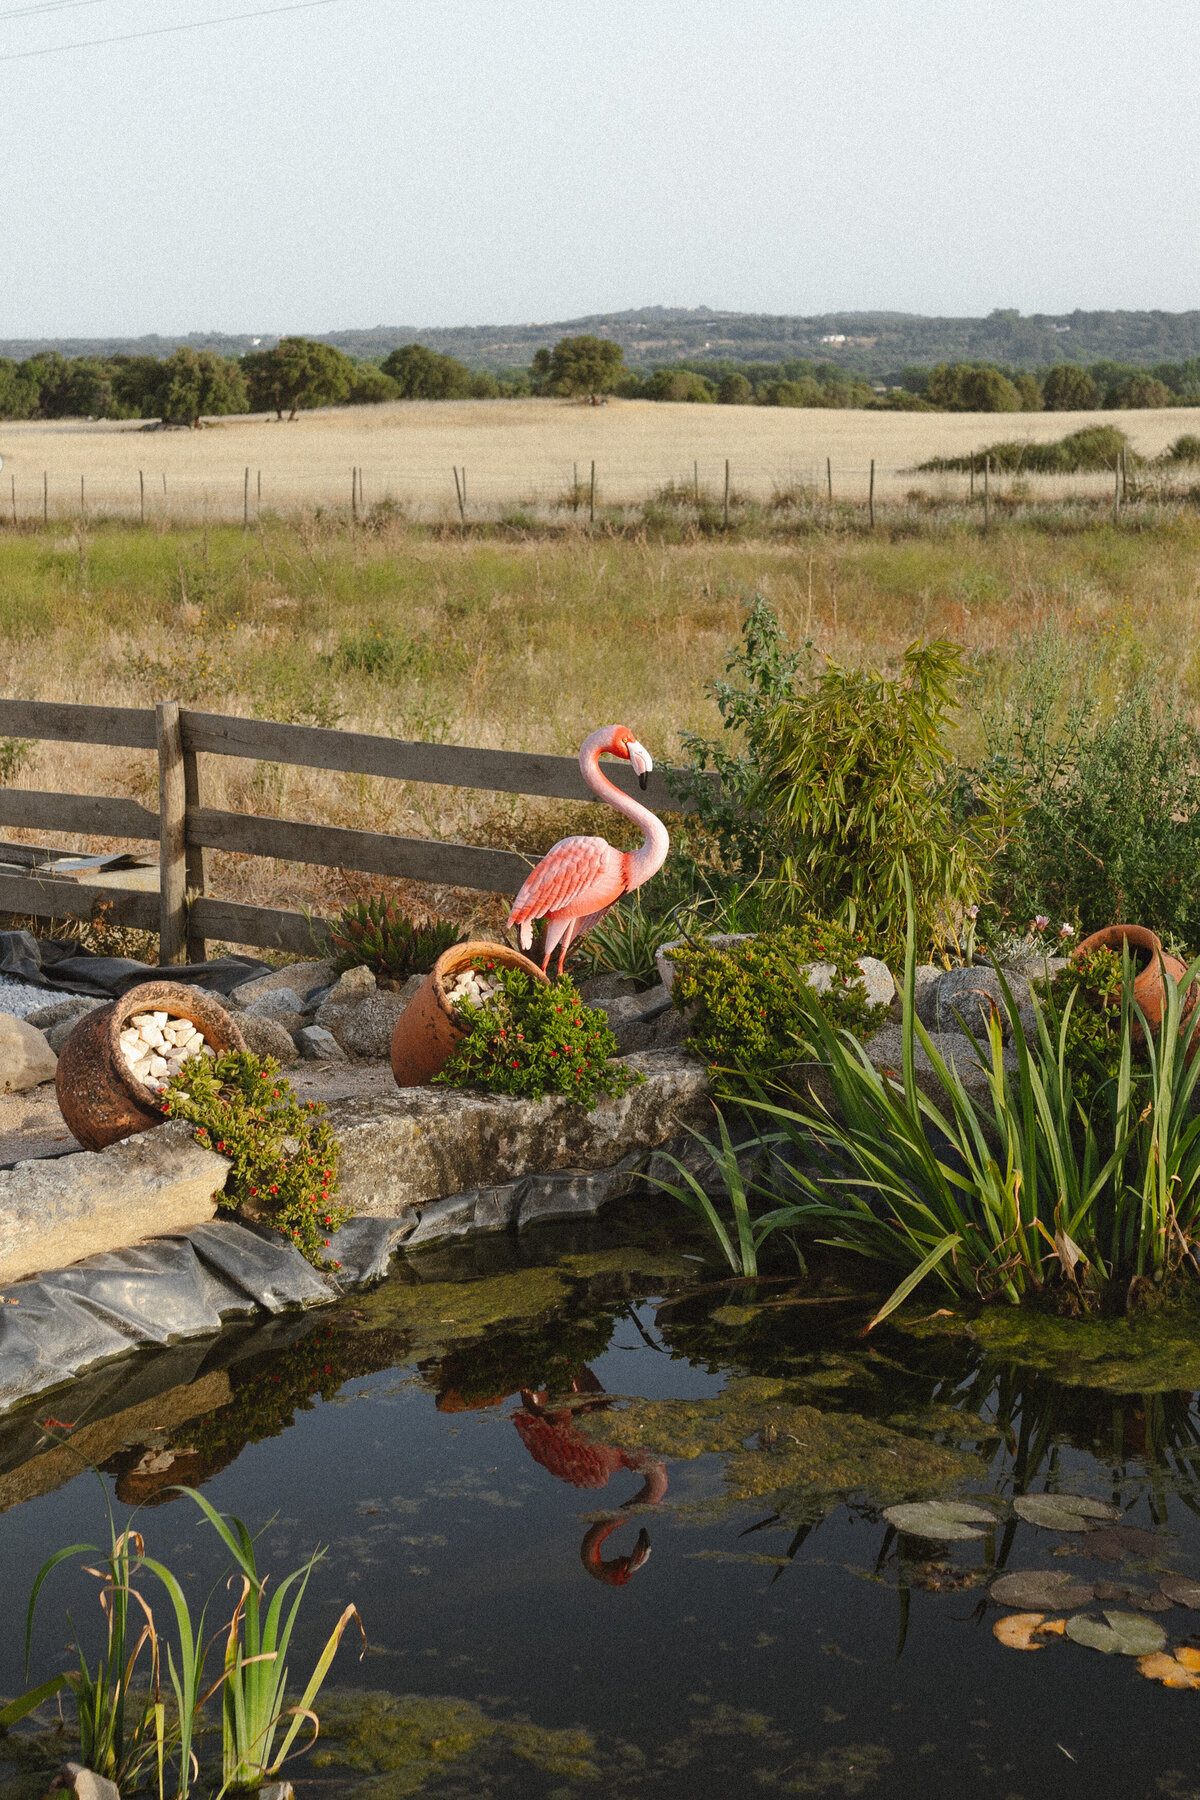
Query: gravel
{"points": [[20, 998]]}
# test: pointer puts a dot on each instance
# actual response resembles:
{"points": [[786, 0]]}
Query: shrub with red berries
{"points": [[284, 1154], [532, 1040]]}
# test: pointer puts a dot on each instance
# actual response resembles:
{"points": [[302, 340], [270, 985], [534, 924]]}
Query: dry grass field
{"points": [[517, 453], [525, 640]]}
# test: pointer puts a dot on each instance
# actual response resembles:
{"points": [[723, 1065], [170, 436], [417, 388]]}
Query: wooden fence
{"points": [[182, 912]]}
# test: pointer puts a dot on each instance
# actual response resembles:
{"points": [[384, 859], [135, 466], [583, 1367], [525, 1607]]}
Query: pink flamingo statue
{"points": [[581, 878], [553, 1439]]}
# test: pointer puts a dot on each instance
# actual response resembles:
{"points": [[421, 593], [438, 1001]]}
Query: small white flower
{"points": [[1066, 931], [972, 912]]}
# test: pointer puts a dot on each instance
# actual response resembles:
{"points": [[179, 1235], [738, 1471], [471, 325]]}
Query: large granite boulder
{"points": [[54, 1211], [426, 1143]]}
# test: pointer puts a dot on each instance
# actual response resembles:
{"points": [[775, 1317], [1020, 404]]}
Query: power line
{"points": [[128, 37], [44, 6]]}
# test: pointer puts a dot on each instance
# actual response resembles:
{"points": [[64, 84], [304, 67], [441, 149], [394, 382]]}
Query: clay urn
{"points": [[428, 1031], [1154, 966], [98, 1094]]}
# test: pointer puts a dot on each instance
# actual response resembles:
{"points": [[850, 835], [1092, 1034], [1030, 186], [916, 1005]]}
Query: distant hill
{"points": [[873, 343]]}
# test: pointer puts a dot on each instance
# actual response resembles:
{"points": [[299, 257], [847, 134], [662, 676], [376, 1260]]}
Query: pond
{"points": [[615, 1525]]}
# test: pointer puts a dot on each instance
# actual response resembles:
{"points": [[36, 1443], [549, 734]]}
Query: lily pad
{"points": [[1062, 1512], [1113, 1543], [1172, 1671], [1182, 1590], [950, 1521], [1125, 1634], [1018, 1630], [1040, 1590]]}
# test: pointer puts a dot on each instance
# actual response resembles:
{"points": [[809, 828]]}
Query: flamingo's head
{"points": [[623, 743]]}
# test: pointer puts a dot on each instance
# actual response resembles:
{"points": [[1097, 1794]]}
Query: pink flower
{"points": [[1041, 922], [972, 912]]}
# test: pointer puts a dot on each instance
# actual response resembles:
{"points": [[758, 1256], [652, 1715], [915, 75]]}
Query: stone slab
{"points": [[56, 1210], [419, 1145]]}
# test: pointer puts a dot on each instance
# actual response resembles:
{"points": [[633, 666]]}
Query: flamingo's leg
{"points": [[556, 926]]}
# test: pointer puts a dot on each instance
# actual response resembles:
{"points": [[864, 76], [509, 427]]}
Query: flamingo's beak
{"points": [[642, 761]]}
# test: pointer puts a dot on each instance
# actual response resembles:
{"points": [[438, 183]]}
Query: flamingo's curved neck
{"points": [[643, 863]]}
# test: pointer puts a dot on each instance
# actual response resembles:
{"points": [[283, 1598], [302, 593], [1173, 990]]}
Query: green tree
{"points": [[679, 384], [985, 389], [579, 365], [1068, 388], [371, 386], [944, 387], [1029, 391], [422, 374], [734, 390], [18, 390], [198, 384], [297, 373], [805, 392], [77, 387], [1143, 390]]}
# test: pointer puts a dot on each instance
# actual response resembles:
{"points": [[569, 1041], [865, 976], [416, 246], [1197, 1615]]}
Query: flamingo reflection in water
{"points": [[553, 1439]]}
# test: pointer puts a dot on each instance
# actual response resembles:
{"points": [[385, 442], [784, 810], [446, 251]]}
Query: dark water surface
{"points": [[780, 1638]]}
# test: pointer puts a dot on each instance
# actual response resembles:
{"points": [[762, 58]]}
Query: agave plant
{"points": [[377, 934]]}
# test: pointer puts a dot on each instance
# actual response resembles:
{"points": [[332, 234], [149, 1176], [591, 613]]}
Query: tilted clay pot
{"points": [[428, 1031], [1148, 986], [98, 1095]]}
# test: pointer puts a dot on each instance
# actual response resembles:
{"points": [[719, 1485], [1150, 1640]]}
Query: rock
{"points": [[362, 1020], [55, 1211], [274, 1003], [645, 1021], [26, 1059], [966, 999], [427, 1143], [719, 941], [85, 1784], [302, 978], [878, 981], [316, 1044], [74, 1008], [926, 981], [269, 1037], [607, 987], [58, 1034], [358, 980], [1037, 969], [886, 1051]]}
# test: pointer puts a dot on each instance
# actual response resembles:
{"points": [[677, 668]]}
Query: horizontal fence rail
{"points": [[184, 915]]}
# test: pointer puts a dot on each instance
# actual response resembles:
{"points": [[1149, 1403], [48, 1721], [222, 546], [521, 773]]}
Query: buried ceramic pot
{"points": [[99, 1096], [429, 1031], [1154, 966]]}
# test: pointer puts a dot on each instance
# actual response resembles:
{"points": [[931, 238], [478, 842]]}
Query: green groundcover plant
{"points": [[746, 1013], [284, 1154], [532, 1040]]}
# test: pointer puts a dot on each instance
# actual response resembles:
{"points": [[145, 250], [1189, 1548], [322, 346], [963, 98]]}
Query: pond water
{"points": [[720, 1608]]}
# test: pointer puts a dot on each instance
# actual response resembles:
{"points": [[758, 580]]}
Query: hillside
{"points": [[878, 344]]}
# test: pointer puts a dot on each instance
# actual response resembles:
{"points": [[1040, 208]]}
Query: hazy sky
{"points": [[362, 162]]}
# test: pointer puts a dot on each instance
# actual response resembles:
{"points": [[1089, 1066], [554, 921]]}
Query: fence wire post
{"points": [[462, 510], [141, 496], [172, 835], [987, 470], [45, 496], [246, 501], [727, 493], [829, 477], [1116, 489], [871, 496], [592, 500]]}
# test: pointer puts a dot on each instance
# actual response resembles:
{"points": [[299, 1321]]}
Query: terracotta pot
{"points": [[98, 1096], [1148, 989], [428, 1032]]}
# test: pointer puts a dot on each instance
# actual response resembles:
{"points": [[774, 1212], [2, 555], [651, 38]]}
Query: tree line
{"points": [[298, 373]]}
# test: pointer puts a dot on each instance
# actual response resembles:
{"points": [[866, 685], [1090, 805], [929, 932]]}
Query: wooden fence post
{"points": [[354, 492], [727, 493], [246, 501], [696, 483], [142, 496], [172, 835], [1116, 489], [462, 507], [14, 498], [829, 478], [45, 497], [197, 945], [972, 490], [987, 469], [871, 496], [592, 500]]}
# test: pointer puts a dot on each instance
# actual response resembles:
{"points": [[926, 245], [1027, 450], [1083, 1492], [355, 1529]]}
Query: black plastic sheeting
{"points": [[61, 965], [168, 1290]]}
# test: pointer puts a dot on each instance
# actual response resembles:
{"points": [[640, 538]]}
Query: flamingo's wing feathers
{"points": [[578, 875]]}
